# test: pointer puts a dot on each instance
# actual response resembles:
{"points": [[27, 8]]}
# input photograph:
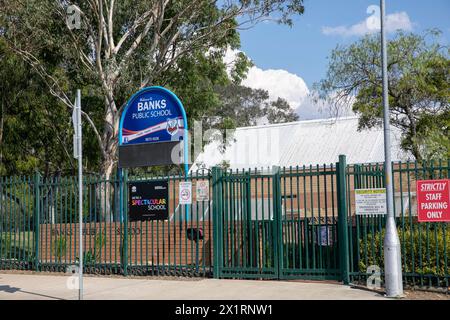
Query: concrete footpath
{"points": [[42, 286]]}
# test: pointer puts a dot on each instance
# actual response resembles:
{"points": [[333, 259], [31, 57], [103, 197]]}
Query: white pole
{"points": [[80, 194], [392, 253]]}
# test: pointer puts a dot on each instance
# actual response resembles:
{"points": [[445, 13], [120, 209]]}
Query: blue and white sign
{"points": [[152, 115]]}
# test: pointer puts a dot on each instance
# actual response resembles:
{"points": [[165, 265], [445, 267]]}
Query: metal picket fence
{"points": [[278, 223], [39, 228], [424, 246]]}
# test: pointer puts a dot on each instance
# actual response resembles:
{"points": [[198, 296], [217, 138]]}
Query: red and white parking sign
{"points": [[433, 198]]}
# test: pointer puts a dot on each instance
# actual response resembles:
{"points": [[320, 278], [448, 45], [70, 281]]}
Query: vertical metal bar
{"points": [[333, 213], [320, 218], [29, 206], [348, 211], [293, 242], [305, 224], [263, 226], [342, 219], [36, 219], [313, 226], [257, 263], [277, 235], [248, 210], [2, 231], [19, 229], [216, 184], [13, 213], [327, 240], [444, 236], [299, 240], [125, 224]]}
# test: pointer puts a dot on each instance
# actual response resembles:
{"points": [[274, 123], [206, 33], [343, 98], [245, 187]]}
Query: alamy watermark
{"points": [[72, 282], [374, 280], [73, 19], [373, 22]]}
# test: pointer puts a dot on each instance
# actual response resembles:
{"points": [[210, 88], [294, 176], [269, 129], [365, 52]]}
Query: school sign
{"points": [[153, 130]]}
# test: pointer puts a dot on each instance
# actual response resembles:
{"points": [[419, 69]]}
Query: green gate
{"points": [[245, 224], [279, 224]]}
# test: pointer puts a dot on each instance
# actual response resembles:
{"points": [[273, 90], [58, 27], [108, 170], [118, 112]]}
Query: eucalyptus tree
{"points": [[419, 88], [113, 48], [118, 47]]}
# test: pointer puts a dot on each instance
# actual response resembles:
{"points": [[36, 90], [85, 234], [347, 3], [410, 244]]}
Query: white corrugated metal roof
{"points": [[302, 143]]}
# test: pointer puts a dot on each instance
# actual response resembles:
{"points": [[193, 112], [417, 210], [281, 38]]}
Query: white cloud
{"points": [[280, 83], [395, 21]]}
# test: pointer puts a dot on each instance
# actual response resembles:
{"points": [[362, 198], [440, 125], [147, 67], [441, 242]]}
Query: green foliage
{"points": [[5, 244], [60, 247], [17, 245], [240, 106], [180, 47], [419, 88], [93, 255], [279, 111], [422, 252], [433, 138]]}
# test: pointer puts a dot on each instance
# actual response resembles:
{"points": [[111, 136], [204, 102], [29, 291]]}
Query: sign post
{"points": [[78, 152], [433, 199]]}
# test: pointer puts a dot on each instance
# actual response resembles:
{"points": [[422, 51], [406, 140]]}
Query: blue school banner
{"points": [[152, 115]]}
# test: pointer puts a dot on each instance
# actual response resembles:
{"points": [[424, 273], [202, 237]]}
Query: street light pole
{"points": [[78, 155], [392, 253]]}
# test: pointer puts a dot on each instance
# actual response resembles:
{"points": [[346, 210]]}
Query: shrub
{"points": [[423, 252]]}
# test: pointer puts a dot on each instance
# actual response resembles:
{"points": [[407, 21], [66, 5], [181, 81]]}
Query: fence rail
{"points": [[282, 223]]}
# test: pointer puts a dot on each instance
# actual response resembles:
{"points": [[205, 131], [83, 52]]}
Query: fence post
{"points": [[277, 234], [125, 223], [36, 214], [342, 219], [217, 175], [248, 218]]}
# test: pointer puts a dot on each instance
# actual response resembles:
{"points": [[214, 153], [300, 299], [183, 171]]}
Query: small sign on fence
{"points": [[185, 194], [148, 200], [202, 191], [433, 198], [325, 236], [370, 201]]}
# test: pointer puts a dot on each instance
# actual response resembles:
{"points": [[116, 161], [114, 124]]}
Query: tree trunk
{"points": [[414, 143], [110, 142], [2, 120]]}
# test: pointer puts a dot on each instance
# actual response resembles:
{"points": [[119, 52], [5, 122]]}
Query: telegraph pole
{"points": [[77, 149], [392, 253]]}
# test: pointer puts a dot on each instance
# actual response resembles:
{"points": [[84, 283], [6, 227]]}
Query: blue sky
{"points": [[289, 60], [303, 49]]}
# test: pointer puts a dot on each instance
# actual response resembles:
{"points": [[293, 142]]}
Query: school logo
{"points": [[172, 126]]}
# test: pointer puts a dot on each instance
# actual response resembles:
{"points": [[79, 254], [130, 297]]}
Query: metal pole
{"points": [[80, 195], [186, 166], [392, 253]]}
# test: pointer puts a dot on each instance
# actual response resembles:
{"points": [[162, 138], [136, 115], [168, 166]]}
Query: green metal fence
{"points": [[300, 222], [278, 223], [39, 228], [424, 246]]}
